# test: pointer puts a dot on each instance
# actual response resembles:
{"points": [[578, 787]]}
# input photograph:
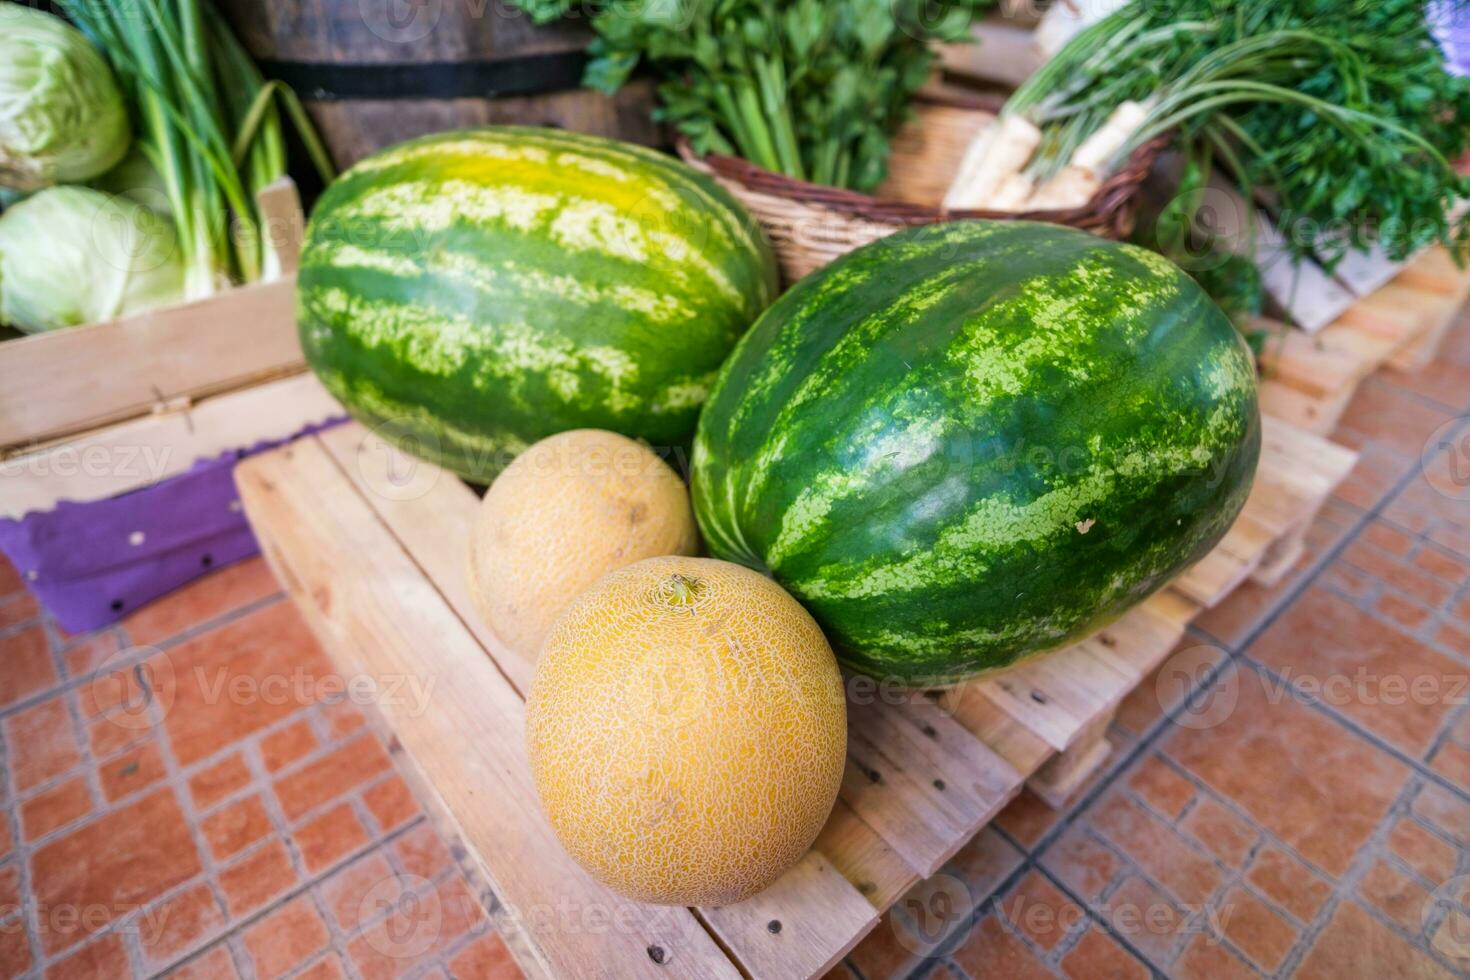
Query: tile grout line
{"points": [[1155, 731], [1147, 739], [174, 782], [176, 779], [1344, 886], [210, 866], [1196, 918], [1108, 928], [1032, 855], [135, 654], [23, 848], [1330, 712], [238, 927], [262, 779], [1031, 859], [1231, 877], [1425, 400]]}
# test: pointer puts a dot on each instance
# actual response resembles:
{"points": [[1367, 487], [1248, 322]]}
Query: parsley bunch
{"points": [[808, 88], [1337, 115]]}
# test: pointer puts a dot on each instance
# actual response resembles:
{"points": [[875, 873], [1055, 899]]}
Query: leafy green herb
{"points": [[1338, 117], [809, 88]]}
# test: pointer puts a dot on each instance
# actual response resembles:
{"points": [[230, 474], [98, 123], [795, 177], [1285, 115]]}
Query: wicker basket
{"points": [[810, 225]]}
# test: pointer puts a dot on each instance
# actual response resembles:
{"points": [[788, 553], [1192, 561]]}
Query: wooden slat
{"points": [[950, 761], [1312, 413], [973, 706], [432, 512], [1212, 578], [919, 823], [140, 452], [1303, 459], [68, 381], [1419, 352], [1065, 772], [1436, 275], [372, 607], [799, 927], [1371, 347], [922, 777], [1137, 642], [1395, 313], [1282, 557], [1071, 680], [991, 778], [1303, 361], [1434, 270], [1248, 538], [1021, 692], [857, 851]]}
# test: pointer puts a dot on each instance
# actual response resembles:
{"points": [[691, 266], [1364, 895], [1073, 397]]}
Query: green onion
{"points": [[207, 122]]}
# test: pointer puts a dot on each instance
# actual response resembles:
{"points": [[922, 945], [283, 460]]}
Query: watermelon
{"points": [[468, 293], [970, 442]]}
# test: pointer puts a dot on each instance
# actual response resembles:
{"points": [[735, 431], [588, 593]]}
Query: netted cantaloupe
{"points": [[686, 729], [568, 510]]}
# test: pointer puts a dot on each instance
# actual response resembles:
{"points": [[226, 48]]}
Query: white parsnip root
{"points": [[992, 175], [1072, 188], [974, 155], [1098, 150], [1005, 152], [1012, 193], [1064, 19]]}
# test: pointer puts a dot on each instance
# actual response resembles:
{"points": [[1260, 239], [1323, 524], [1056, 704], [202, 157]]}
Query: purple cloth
{"points": [[93, 563]]}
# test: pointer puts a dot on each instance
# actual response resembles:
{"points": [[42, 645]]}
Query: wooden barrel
{"points": [[376, 72]]}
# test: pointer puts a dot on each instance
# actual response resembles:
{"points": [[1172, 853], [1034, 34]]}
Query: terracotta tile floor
{"points": [[189, 793]]}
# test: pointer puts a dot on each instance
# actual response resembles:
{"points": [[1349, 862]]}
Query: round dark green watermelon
{"points": [[469, 293], [970, 442]]}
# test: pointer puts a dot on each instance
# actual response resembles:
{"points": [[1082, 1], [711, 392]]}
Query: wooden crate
{"points": [[181, 383], [370, 545], [65, 382], [1308, 379]]}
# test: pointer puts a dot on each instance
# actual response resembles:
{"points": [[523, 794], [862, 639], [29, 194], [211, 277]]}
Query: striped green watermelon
{"points": [[969, 442], [471, 292]]}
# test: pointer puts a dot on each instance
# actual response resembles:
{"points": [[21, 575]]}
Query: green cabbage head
{"points": [[62, 117], [72, 255]]}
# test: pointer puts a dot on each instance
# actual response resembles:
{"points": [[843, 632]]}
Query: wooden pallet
{"points": [[1308, 379], [370, 545]]}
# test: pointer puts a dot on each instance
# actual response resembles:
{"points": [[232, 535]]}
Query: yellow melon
{"points": [[687, 730], [565, 512]]}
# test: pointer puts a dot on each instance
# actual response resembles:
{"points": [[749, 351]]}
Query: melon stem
{"points": [[682, 590]]}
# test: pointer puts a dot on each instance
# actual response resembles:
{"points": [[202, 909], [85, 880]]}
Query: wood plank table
{"points": [[371, 544]]}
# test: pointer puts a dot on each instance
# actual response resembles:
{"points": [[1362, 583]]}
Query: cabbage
{"points": [[137, 180], [62, 117], [72, 255]]}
